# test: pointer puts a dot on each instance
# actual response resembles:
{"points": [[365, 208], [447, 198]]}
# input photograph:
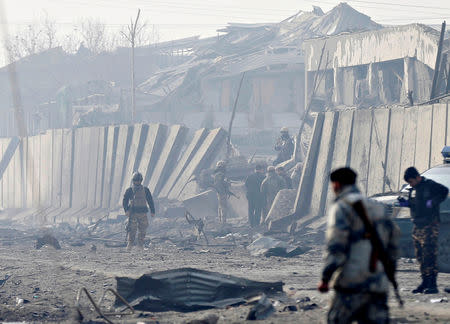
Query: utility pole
{"points": [[132, 32]]}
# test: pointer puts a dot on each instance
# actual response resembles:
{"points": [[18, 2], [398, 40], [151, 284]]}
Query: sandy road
{"points": [[50, 279]]}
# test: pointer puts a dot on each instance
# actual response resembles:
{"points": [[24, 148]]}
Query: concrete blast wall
{"points": [[78, 175], [378, 143]]}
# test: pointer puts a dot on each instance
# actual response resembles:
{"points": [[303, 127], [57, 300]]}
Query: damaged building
{"points": [[372, 68]]}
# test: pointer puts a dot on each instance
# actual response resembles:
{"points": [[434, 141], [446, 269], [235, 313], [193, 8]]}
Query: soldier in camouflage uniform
{"points": [[136, 203], [287, 179], [270, 187], [360, 283], [222, 187], [424, 200]]}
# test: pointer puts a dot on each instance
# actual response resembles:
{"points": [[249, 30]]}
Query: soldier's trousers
{"points": [[367, 308], [223, 208], [426, 246], [254, 211], [138, 223]]}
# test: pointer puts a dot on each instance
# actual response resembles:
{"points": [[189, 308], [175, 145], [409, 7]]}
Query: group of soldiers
{"points": [[361, 236]]}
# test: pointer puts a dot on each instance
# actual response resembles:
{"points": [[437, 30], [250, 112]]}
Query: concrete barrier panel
{"points": [[304, 193], [19, 174], [341, 151], [448, 125], [201, 160], [323, 164], [124, 132], [407, 157], [168, 158], [80, 168], [113, 132], [360, 151], [137, 144], [45, 167], [153, 146], [188, 154], [29, 170], [57, 152], [392, 180], [36, 161], [3, 145], [102, 147], [67, 168], [438, 133], [92, 148], [378, 147], [423, 142]]}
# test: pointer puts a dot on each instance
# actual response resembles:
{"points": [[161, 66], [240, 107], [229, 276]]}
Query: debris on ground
{"points": [[47, 239], [262, 310], [439, 300], [268, 246], [188, 289], [208, 319]]}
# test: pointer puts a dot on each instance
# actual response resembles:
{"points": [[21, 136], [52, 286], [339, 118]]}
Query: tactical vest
{"points": [[139, 201]]}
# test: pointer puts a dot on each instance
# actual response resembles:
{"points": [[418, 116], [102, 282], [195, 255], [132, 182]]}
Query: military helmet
{"points": [[137, 176], [284, 130], [271, 169]]}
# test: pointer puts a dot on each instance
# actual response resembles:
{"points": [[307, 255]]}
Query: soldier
{"points": [[424, 200], [270, 187], [361, 285], [254, 197], [284, 146], [287, 179], [222, 187], [296, 175], [136, 203]]}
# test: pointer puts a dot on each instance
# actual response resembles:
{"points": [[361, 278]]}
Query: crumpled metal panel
{"points": [[189, 289]]}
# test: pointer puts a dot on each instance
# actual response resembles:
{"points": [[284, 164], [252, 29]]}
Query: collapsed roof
{"points": [[250, 47]]}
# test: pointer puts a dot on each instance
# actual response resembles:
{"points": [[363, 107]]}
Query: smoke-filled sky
{"points": [[178, 19]]}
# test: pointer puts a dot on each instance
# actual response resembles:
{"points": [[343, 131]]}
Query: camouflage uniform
{"points": [[285, 148], [360, 295], [425, 234], [223, 188], [270, 187], [135, 202]]}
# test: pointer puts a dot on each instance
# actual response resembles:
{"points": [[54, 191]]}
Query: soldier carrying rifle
{"points": [[360, 256], [136, 203]]}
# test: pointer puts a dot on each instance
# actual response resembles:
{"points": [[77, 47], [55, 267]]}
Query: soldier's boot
{"points": [[420, 288], [432, 286]]}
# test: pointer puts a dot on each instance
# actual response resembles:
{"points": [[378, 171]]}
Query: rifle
{"points": [[378, 250], [230, 193]]}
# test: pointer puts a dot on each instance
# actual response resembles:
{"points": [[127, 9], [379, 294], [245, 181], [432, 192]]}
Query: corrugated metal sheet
{"points": [[189, 289]]}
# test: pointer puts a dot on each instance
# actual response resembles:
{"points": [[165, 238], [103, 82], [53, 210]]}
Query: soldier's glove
{"points": [[323, 287]]}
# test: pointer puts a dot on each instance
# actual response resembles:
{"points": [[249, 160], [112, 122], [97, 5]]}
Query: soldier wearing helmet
{"points": [[222, 187], [136, 203], [284, 146]]}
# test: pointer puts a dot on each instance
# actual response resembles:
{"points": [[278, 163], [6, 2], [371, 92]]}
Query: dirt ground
{"points": [[48, 281]]}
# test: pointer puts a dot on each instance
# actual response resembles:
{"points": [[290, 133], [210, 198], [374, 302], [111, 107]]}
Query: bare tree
{"points": [[134, 29], [93, 35], [49, 32]]}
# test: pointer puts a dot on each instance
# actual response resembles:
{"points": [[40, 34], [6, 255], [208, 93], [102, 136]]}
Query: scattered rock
{"points": [[47, 239], [262, 310], [290, 308], [208, 319], [439, 300]]}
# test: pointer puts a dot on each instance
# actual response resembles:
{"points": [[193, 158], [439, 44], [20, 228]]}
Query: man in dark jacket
{"points": [[425, 197], [136, 203], [254, 196]]}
